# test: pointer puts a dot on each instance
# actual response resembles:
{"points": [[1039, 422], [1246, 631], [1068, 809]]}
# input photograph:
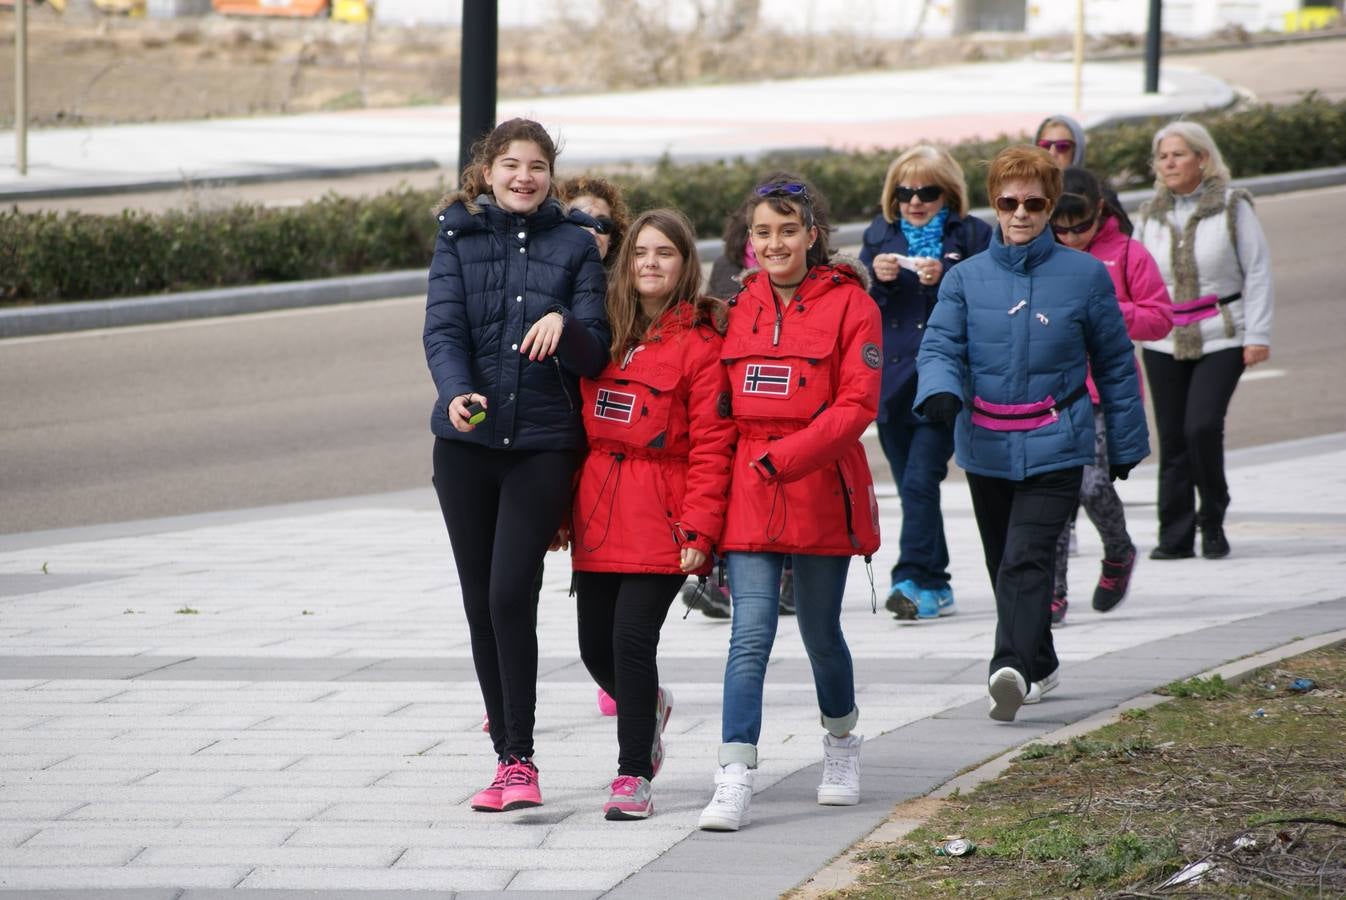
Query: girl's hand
{"points": [[1255, 353], [541, 340], [561, 541], [886, 267], [692, 559], [458, 411], [929, 270]]}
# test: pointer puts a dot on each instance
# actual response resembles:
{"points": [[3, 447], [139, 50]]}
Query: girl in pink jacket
{"points": [[1084, 220]]}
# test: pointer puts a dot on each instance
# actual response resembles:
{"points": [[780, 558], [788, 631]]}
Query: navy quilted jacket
{"points": [[494, 274], [1017, 324]]}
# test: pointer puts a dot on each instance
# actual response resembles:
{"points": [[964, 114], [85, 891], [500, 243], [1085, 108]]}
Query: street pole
{"points": [[1079, 54], [21, 86], [1152, 42], [476, 114]]}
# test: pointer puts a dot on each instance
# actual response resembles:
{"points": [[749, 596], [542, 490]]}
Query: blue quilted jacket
{"points": [[494, 274], [1017, 324]]}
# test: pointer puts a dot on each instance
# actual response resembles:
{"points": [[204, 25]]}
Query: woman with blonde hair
{"points": [[1213, 256], [923, 231]]}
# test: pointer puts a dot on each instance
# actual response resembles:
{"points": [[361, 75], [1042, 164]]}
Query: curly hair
{"points": [[593, 186]]}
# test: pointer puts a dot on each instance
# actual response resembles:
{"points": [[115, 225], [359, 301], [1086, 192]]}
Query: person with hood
{"points": [[652, 491], [514, 315], [924, 229], [1064, 138], [803, 355], [1215, 260], [1005, 354], [1084, 220]]}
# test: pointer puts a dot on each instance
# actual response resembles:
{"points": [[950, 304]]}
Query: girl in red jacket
{"points": [[803, 357], [651, 496], [1086, 220]]}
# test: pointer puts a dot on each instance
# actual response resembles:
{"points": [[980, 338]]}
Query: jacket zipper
{"points": [[565, 389]]}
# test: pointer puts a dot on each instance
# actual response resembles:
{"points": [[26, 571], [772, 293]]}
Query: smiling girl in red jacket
{"points": [[651, 496], [803, 357]]}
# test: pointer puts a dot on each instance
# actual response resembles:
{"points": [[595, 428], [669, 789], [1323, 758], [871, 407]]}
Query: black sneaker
{"points": [[1214, 545], [1113, 581], [1162, 552], [707, 596], [1059, 607]]}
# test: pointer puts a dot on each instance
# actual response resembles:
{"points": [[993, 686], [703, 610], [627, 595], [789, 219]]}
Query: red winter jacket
{"points": [[1141, 292], [805, 386], [660, 445]]}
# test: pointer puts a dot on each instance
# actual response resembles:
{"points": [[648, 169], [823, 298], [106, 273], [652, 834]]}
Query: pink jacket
{"points": [[1141, 293]]}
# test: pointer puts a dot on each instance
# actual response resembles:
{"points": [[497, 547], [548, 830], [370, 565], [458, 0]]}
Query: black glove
{"points": [[941, 408], [1120, 470]]}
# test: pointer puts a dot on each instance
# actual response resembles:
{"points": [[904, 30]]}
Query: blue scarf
{"points": [[927, 239]]}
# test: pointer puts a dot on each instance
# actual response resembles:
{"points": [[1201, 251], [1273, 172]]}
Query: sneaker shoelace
{"points": [[836, 769], [1058, 604], [519, 773], [729, 793], [626, 785], [499, 781]]}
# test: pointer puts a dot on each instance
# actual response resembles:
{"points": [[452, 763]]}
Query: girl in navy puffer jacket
{"points": [[514, 315]]}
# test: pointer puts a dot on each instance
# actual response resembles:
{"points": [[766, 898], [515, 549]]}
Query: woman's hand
{"points": [[541, 340], [458, 411], [561, 540], [1255, 353], [929, 270], [692, 559], [886, 267]]}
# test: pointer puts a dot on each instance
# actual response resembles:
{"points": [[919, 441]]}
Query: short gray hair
{"points": [[1196, 137]]}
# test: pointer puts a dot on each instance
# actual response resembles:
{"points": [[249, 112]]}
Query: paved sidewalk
{"points": [[283, 698], [868, 110]]}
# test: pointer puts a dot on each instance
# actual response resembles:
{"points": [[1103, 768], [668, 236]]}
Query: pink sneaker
{"points": [[607, 704], [662, 715], [486, 723], [488, 799], [630, 798], [521, 786]]}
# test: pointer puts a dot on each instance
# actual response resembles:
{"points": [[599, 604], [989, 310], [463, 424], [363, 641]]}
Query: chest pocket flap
{"points": [[632, 406], [791, 379]]}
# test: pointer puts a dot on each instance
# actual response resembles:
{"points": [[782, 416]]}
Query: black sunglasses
{"points": [[928, 194], [1011, 204], [604, 225], [1080, 228]]}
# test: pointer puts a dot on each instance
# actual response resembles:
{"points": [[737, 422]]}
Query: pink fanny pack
{"points": [[1202, 307], [1021, 416]]}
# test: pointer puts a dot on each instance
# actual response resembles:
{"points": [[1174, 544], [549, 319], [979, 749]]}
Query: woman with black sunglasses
{"points": [[1006, 352], [922, 232], [803, 358], [606, 215], [1085, 220]]}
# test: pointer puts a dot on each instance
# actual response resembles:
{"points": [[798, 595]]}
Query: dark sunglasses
{"points": [[1062, 146], [928, 194], [792, 189], [1011, 204], [604, 225], [1081, 228]]}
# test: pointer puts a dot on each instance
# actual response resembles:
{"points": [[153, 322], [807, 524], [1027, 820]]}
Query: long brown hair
{"points": [[626, 316], [810, 205], [487, 148]]}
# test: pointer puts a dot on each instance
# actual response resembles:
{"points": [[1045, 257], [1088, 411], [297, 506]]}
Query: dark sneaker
{"points": [[1214, 545], [1059, 606], [1113, 581], [787, 592], [708, 597], [1162, 552]]}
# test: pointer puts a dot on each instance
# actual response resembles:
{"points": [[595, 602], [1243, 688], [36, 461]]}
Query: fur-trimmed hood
{"points": [[843, 264]]}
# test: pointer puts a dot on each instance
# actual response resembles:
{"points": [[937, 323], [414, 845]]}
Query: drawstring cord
{"points": [[696, 595], [617, 467], [778, 496], [873, 597]]}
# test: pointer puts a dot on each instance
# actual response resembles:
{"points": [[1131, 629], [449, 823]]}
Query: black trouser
{"points": [[1019, 523], [502, 509], [1191, 398], [620, 616]]}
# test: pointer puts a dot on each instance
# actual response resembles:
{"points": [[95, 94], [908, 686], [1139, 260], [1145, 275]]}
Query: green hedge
{"points": [[52, 257]]}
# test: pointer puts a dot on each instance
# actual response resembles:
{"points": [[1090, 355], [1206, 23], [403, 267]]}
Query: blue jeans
{"points": [[918, 454], [754, 582]]}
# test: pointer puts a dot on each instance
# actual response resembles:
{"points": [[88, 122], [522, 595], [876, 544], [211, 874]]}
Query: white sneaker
{"points": [[1038, 689], [841, 771], [1007, 690], [728, 809]]}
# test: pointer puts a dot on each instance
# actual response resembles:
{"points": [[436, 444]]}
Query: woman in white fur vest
{"points": [[1205, 237]]}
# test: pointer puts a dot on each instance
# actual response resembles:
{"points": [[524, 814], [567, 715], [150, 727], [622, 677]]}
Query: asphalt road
{"points": [[219, 414]]}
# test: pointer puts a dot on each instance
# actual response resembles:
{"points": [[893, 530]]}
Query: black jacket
{"points": [[494, 274]]}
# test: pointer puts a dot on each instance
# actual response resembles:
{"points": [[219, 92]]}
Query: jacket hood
{"points": [[1076, 132], [460, 210]]}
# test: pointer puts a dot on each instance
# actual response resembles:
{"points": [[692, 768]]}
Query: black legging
{"points": [[502, 509], [1191, 398], [619, 620]]}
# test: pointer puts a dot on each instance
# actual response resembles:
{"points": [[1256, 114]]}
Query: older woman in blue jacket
{"points": [[1005, 353]]}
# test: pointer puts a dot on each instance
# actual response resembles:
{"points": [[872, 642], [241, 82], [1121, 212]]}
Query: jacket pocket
{"points": [[633, 409], [789, 380]]}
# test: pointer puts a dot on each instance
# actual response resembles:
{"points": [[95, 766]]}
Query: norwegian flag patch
{"points": [[614, 405], [760, 379]]}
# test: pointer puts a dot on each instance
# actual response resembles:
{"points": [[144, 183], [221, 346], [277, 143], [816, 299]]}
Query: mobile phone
{"points": [[475, 413]]}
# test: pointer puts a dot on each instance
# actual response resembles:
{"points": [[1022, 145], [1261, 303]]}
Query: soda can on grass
{"points": [[955, 847]]}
